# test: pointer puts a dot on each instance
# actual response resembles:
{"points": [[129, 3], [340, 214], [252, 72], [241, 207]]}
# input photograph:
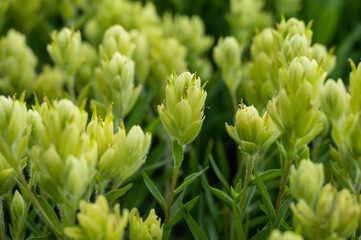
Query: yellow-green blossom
{"points": [[97, 222], [251, 131], [182, 112], [150, 229]]}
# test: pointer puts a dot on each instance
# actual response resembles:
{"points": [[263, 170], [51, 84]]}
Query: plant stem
{"points": [[37, 204], [170, 202], [18, 231], [117, 184], [357, 185], [246, 181], [282, 187], [70, 82]]}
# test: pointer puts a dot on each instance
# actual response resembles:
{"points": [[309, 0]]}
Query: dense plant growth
{"points": [[122, 119]]}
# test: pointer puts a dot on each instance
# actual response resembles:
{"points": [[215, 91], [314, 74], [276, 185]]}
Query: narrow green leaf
{"points": [[49, 212], [263, 234], [84, 93], [283, 209], [219, 174], [38, 237], [192, 224], [265, 198], [249, 196], [155, 192], [218, 193], [189, 179], [178, 215], [237, 222], [266, 176], [112, 196]]}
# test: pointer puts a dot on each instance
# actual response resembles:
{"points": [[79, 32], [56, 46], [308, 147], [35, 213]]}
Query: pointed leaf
{"points": [[189, 179], [178, 215], [266, 176], [219, 174], [219, 194], [237, 222], [155, 192], [283, 209], [50, 213], [112, 196], [192, 224], [265, 198]]}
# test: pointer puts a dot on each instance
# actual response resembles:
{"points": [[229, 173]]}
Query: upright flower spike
{"points": [[116, 39], [14, 130], [335, 215], [17, 64], [65, 50], [96, 221], [355, 87], [306, 181], [150, 229], [115, 84], [295, 109], [333, 98], [182, 112], [252, 132], [131, 149], [227, 55], [63, 153]]}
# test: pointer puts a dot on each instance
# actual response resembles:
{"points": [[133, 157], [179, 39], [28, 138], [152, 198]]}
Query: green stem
{"points": [[178, 158], [290, 154], [117, 184], [357, 185], [170, 202], [70, 82], [37, 204], [246, 181], [282, 187], [20, 228]]}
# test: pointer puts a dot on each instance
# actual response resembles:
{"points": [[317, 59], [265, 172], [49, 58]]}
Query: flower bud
{"points": [[293, 27], [293, 47], [97, 221], [325, 207], [182, 111], [7, 179], [65, 49], [17, 64], [306, 182], [288, 235], [355, 87], [252, 132], [131, 149], [348, 213], [115, 81], [14, 132], [85, 73], [150, 229], [141, 56], [322, 56], [116, 39], [50, 83], [227, 55], [333, 98], [17, 208], [167, 55]]}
